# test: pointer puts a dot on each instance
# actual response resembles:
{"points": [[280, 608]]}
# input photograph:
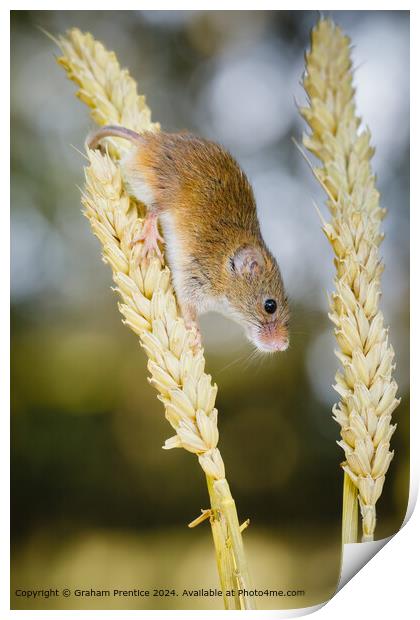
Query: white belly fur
{"points": [[174, 252]]}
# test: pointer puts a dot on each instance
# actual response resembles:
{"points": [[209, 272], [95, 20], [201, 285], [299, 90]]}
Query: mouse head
{"points": [[256, 297]]}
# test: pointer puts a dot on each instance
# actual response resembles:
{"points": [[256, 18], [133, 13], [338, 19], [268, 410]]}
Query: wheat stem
{"points": [[148, 302], [228, 509], [364, 382], [224, 555], [350, 511]]}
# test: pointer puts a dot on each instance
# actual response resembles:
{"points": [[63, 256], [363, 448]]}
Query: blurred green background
{"points": [[95, 501]]}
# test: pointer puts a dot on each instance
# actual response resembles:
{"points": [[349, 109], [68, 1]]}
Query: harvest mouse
{"points": [[214, 247]]}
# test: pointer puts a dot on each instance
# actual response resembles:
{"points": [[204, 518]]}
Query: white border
{"points": [[387, 586]]}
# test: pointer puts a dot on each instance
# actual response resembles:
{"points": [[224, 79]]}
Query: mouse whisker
{"points": [[255, 354], [232, 363]]}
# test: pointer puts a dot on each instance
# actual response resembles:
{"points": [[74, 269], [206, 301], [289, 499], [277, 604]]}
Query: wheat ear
{"points": [[148, 303], [364, 382]]}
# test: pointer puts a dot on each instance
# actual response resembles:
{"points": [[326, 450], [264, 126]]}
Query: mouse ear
{"points": [[248, 260]]}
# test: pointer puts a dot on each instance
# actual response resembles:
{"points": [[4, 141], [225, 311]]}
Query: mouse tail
{"points": [[112, 131]]}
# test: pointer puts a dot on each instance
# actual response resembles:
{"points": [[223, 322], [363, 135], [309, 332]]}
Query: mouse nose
{"points": [[282, 344], [273, 339], [277, 344]]}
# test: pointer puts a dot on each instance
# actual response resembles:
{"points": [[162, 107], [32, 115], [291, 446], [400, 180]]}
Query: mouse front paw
{"points": [[196, 342], [189, 314]]}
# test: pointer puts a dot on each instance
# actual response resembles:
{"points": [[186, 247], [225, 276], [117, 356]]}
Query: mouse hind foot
{"points": [[150, 238]]}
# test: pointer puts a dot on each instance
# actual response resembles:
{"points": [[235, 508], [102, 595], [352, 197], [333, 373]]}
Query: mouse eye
{"points": [[270, 306]]}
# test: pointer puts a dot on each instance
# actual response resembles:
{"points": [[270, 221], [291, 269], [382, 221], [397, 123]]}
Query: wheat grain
{"points": [[364, 383]]}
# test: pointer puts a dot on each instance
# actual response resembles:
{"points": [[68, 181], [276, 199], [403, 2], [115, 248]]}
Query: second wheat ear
{"points": [[148, 304], [364, 382]]}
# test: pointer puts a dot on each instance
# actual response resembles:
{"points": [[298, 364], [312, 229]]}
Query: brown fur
{"points": [[213, 207]]}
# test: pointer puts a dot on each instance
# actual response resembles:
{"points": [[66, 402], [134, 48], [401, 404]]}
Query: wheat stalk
{"points": [[148, 303], [364, 382]]}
